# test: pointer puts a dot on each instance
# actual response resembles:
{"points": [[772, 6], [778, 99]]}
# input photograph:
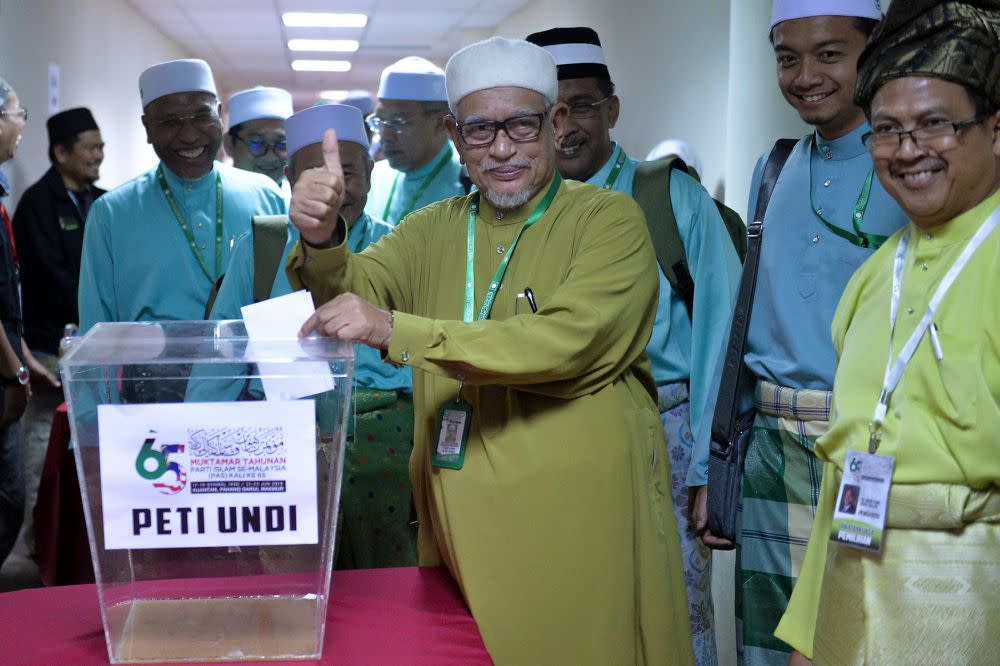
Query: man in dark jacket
{"points": [[48, 227], [48, 231]]}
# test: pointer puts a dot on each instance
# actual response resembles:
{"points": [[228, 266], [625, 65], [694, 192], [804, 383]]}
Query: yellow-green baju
{"points": [[933, 595], [559, 527]]}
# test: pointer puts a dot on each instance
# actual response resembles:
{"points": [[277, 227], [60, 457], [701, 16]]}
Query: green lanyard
{"points": [[408, 208], [470, 278], [615, 170], [860, 238], [187, 229]]}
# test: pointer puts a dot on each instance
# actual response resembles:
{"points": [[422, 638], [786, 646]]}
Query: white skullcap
{"points": [[175, 76], [361, 100], [413, 79], [681, 149], [785, 10], [498, 62], [259, 102], [306, 127]]}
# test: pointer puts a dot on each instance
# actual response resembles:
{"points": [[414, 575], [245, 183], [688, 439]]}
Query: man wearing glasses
{"points": [[553, 510], [420, 165], [256, 137], [153, 248], [918, 373], [684, 344]]}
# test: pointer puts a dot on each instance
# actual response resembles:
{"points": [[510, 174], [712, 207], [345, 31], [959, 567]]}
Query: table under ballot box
{"points": [[210, 467]]}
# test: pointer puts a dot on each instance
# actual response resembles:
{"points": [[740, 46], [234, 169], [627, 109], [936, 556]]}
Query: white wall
{"points": [[101, 47], [669, 61], [758, 114]]}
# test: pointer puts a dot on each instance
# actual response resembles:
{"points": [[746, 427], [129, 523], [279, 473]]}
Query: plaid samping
{"points": [[780, 491]]}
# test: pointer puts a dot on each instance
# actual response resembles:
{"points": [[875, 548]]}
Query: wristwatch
{"points": [[20, 378]]}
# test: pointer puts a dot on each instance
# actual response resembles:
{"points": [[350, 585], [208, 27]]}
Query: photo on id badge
{"points": [[454, 421]]}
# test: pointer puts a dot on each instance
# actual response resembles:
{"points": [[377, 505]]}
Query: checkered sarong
{"points": [[780, 490]]}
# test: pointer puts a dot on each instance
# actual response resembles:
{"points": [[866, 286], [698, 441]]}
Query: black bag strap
{"points": [[727, 407], [270, 233]]}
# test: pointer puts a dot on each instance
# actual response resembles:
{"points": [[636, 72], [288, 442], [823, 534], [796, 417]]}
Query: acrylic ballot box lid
{"points": [[184, 341], [210, 466]]}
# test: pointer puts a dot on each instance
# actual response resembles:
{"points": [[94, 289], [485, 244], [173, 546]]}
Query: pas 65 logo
{"points": [[168, 476]]}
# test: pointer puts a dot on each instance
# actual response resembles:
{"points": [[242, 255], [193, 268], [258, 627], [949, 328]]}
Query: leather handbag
{"points": [[731, 429]]}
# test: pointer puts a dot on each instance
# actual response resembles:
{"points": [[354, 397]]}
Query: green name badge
{"points": [[454, 420], [68, 224]]}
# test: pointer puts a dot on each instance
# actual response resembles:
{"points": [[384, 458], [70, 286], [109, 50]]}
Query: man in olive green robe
{"points": [[559, 526]]}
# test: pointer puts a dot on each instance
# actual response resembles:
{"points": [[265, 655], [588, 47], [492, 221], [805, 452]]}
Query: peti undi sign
{"points": [[191, 475]]}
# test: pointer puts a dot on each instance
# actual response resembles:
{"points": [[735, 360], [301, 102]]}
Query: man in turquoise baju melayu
{"points": [[153, 248], [421, 166], [682, 347]]}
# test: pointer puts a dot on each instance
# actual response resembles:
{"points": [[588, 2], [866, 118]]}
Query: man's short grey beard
{"points": [[505, 201]]}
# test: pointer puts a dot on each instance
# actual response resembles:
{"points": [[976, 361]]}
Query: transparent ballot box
{"points": [[210, 467]]}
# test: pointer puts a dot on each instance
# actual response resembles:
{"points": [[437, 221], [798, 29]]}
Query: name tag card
{"points": [[200, 475], [862, 499]]}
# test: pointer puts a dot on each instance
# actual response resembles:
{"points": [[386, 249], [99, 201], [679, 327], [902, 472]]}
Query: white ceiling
{"points": [[245, 41]]}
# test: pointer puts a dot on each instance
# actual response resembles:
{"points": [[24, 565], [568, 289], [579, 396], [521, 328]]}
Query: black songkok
{"points": [[954, 41], [577, 52], [66, 125]]}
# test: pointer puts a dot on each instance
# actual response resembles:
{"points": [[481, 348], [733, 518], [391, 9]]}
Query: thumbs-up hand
{"points": [[317, 195]]}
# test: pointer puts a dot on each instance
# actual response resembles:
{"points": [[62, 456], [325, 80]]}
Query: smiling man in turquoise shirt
{"points": [[153, 248], [826, 216], [683, 346]]}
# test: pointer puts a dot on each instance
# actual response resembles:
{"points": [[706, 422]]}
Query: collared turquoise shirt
{"points": [[137, 264], [804, 267], [683, 348], [446, 184], [237, 290]]}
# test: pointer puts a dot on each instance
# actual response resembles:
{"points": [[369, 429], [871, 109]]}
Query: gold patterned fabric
{"points": [[931, 597], [954, 41]]}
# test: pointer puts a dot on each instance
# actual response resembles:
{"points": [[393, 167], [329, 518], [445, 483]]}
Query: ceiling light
{"points": [[333, 94], [323, 20], [338, 45], [321, 65]]}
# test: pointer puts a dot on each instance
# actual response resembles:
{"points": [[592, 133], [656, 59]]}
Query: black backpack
{"points": [[651, 190]]}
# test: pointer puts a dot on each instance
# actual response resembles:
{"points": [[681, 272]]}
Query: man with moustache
{"points": [[256, 137], [376, 497], [420, 165], [684, 344], [49, 224], [826, 216], [48, 229], [929, 81], [524, 310], [153, 248]]}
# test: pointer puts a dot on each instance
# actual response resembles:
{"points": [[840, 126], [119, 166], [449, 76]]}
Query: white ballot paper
{"points": [[280, 319], [190, 475]]}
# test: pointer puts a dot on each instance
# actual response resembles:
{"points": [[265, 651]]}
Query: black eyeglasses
{"points": [[939, 136], [583, 110], [259, 147], [21, 113], [479, 133], [201, 121]]}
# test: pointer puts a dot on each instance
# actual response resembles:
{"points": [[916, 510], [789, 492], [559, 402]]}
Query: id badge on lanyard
{"points": [[455, 417], [862, 499]]}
